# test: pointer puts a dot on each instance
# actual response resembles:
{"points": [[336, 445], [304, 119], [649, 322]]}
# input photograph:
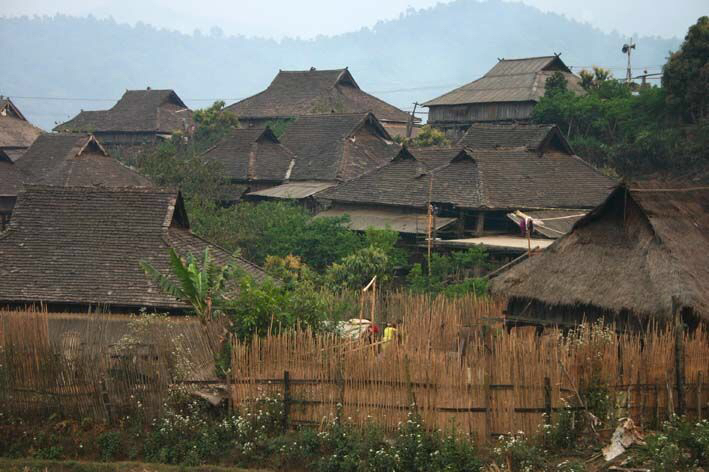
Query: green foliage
{"points": [[450, 274], [555, 83], [564, 432], [276, 229], [426, 137], [681, 445], [593, 79], [200, 284], [212, 124], [260, 308], [279, 126], [357, 269], [685, 77], [646, 132], [519, 453], [110, 445]]}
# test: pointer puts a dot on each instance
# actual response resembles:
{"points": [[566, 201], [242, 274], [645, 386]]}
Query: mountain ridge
{"points": [[415, 57]]}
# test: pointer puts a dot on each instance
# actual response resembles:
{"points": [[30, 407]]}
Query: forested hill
{"points": [[413, 58]]}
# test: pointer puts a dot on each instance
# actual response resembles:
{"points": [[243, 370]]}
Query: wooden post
{"points": [[699, 396], [480, 224], [105, 399], [547, 400], [679, 359], [286, 399]]}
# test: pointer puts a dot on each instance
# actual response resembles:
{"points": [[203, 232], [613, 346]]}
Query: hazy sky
{"points": [[308, 18]]}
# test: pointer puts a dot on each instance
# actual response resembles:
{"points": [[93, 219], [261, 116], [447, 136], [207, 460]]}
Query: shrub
{"points": [[517, 453], [681, 445], [110, 445]]}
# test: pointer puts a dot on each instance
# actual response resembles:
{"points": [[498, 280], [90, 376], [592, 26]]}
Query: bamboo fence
{"points": [[458, 364], [96, 366]]}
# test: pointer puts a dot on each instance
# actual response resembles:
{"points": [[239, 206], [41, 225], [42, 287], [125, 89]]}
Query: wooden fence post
{"points": [[547, 400], [286, 399], [679, 364], [699, 396], [105, 399]]}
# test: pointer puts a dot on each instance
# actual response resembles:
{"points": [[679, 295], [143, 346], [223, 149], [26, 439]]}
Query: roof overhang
{"points": [[293, 190], [363, 219]]}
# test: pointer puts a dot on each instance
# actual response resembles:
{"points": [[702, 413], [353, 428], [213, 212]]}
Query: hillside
{"points": [[415, 57]]}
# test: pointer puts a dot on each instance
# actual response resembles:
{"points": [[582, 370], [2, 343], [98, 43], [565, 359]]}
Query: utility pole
{"points": [[410, 123], [627, 48]]}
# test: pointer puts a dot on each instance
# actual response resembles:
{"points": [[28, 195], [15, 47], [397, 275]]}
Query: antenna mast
{"points": [[627, 48]]}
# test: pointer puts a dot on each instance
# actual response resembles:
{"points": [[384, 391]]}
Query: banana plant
{"points": [[200, 284]]}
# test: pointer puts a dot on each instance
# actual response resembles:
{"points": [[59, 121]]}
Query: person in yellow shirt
{"points": [[389, 333]]}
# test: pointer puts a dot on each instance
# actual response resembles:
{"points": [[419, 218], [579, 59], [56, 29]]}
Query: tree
{"points": [[357, 269], [685, 76], [555, 83], [593, 79], [212, 124], [426, 137]]}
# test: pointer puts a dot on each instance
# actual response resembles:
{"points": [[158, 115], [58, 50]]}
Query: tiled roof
{"points": [[252, 154], [450, 175], [516, 179], [75, 159], [10, 177], [500, 179], [83, 245], [149, 110], [495, 136], [295, 93], [510, 80], [337, 146], [15, 130]]}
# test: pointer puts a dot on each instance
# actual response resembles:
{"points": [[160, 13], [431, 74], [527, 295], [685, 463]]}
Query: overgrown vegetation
{"points": [[426, 137], [630, 130]]}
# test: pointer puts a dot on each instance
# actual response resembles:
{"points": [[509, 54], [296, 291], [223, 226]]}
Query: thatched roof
{"points": [[252, 154], [16, 133], [75, 160], [636, 252], [83, 245], [337, 146], [154, 111], [510, 80], [295, 93]]}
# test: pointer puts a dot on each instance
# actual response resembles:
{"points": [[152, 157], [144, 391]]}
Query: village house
{"points": [[642, 255], [506, 93], [16, 133], [139, 120], [62, 159], [329, 149], [314, 92], [72, 248], [252, 159], [477, 190], [10, 184]]}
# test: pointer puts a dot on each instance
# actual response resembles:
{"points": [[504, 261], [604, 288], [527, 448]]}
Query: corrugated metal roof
{"points": [[362, 219], [293, 190]]}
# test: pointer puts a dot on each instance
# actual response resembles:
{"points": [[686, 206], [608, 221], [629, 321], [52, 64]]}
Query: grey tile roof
{"points": [[494, 136], [493, 179], [510, 80], [83, 245], [337, 146], [75, 159], [295, 93], [405, 181], [252, 154], [159, 111]]}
